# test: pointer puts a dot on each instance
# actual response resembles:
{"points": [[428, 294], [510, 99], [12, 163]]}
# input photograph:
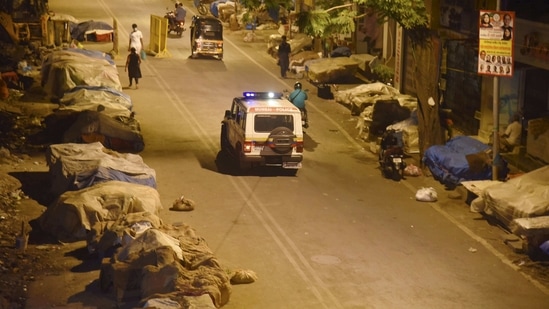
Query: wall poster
{"points": [[496, 38]]}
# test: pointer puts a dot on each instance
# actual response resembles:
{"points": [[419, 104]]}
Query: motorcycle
{"points": [[173, 24], [203, 6], [391, 156]]}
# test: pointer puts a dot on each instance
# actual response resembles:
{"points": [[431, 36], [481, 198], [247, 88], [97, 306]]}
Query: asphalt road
{"points": [[337, 235]]}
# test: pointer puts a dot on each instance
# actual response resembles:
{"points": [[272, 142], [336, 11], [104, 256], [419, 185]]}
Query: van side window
{"points": [[243, 124], [239, 113], [234, 109]]}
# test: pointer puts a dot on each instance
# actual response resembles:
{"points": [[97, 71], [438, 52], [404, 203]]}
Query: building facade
{"points": [[470, 95]]}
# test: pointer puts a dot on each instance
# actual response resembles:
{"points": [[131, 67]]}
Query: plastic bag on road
{"points": [[426, 195]]}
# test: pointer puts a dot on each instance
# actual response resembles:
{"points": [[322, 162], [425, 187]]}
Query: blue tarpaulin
{"points": [[462, 158]]}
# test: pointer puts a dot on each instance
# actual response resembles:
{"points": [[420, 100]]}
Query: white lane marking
{"points": [[200, 131]]}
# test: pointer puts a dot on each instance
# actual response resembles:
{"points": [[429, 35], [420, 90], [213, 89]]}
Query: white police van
{"points": [[263, 129]]}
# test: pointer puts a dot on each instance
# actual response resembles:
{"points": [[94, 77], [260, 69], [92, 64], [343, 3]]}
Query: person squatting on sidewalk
{"points": [[133, 67]]}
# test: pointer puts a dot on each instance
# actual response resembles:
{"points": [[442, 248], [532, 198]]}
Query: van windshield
{"points": [[267, 123]]}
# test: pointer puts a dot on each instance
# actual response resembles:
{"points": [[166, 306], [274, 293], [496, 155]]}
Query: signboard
{"points": [[532, 45], [496, 38]]}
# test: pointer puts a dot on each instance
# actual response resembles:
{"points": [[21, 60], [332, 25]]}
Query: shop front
{"points": [[525, 92]]}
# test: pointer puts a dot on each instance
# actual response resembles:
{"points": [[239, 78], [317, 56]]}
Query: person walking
{"points": [[370, 28], [136, 39], [133, 67], [298, 98], [284, 51]]}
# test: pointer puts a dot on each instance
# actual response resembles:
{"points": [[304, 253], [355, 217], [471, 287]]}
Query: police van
{"points": [[263, 129]]}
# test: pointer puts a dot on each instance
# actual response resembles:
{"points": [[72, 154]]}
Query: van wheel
{"points": [[240, 166], [281, 140], [224, 140]]}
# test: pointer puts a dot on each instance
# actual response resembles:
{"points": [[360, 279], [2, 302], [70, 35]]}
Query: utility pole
{"points": [[495, 133]]}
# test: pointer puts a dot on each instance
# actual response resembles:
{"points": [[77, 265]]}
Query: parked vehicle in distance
{"points": [[391, 156], [263, 129], [203, 6], [206, 37]]}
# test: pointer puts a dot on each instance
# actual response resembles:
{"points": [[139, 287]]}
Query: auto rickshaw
{"points": [[206, 37]]}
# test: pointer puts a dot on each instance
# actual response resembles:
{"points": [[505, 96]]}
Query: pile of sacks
{"points": [[112, 203]]}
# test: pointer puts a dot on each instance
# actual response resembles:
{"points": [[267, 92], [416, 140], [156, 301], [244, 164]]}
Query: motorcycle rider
{"points": [[180, 13], [298, 97], [175, 16]]}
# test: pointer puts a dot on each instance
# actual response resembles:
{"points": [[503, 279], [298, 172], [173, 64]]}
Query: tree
{"points": [[412, 16], [426, 50], [323, 24], [254, 7]]}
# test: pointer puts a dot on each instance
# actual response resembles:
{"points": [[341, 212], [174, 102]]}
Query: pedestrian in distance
{"points": [[136, 39], [133, 67], [284, 51]]}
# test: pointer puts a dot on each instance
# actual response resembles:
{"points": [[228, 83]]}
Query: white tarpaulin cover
{"points": [[297, 43], [72, 216], [331, 70], [525, 196], [114, 102], [77, 166], [171, 262], [65, 69], [367, 94], [117, 133]]}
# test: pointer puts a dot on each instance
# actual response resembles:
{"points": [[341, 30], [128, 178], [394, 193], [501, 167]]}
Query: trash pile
{"points": [[109, 199], [521, 204], [104, 194]]}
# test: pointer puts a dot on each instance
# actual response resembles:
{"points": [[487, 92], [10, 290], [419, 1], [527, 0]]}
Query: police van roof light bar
{"points": [[262, 95]]}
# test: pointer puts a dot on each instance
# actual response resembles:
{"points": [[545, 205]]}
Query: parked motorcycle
{"points": [[203, 6], [391, 156], [173, 24]]}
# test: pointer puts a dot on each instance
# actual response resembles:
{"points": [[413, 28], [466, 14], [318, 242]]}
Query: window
{"points": [[267, 123]]}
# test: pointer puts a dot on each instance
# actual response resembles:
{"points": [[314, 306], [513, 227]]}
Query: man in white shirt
{"points": [[512, 135], [136, 39]]}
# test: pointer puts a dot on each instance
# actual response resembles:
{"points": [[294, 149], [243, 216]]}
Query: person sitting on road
{"points": [[298, 97]]}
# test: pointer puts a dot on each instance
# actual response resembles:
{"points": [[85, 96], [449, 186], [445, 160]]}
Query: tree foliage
{"points": [[255, 6], [409, 14], [337, 17], [331, 17]]}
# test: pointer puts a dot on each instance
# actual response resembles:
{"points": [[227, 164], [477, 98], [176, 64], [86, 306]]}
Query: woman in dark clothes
{"points": [[133, 63]]}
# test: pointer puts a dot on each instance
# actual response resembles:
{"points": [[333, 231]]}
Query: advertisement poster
{"points": [[496, 36]]}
